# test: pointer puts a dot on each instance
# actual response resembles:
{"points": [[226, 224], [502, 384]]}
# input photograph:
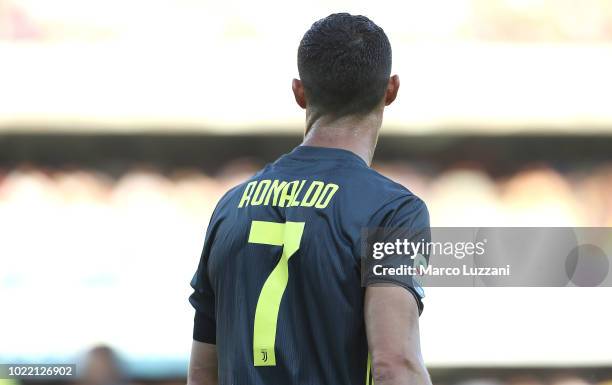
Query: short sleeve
{"points": [[392, 245], [203, 298]]}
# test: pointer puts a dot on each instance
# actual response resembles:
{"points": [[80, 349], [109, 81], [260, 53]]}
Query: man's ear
{"points": [[392, 88], [298, 92]]}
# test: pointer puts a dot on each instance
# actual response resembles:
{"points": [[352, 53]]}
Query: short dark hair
{"points": [[344, 63]]}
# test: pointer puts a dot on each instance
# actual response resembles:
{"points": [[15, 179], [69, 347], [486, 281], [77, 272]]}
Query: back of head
{"points": [[344, 62]]}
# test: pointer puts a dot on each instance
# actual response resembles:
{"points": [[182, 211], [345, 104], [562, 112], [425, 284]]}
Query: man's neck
{"points": [[356, 134]]}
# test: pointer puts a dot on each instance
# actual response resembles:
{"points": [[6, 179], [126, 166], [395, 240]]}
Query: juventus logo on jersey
{"points": [[264, 355]]}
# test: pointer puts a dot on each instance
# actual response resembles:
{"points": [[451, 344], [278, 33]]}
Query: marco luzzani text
{"points": [[420, 267]]}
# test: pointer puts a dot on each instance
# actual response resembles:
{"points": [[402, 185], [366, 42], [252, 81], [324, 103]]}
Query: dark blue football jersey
{"points": [[279, 286]]}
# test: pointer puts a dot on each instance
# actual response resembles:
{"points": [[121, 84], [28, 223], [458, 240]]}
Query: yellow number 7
{"points": [[288, 235]]}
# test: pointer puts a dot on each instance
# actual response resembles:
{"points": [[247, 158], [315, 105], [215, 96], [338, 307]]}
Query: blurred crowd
{"points": [[101, 365], [465, 196]]}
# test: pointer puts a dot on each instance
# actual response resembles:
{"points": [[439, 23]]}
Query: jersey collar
{"points": [[320, 153]]}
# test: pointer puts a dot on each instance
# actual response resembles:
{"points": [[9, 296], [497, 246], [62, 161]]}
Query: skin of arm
{"points": [[392, 326], [202, 364]]}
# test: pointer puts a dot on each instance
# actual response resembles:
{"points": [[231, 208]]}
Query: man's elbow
{"points": [[399, 369]]}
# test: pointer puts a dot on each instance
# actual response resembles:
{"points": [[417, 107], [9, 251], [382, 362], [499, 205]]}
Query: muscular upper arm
{"points": [[392, 326], [202, 364]]}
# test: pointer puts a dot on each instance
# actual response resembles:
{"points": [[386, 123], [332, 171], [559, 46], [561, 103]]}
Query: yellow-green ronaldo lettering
{"points": [[294, 193]]}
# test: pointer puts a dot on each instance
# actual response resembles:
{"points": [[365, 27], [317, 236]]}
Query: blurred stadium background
{"points": [[123, 122]]}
